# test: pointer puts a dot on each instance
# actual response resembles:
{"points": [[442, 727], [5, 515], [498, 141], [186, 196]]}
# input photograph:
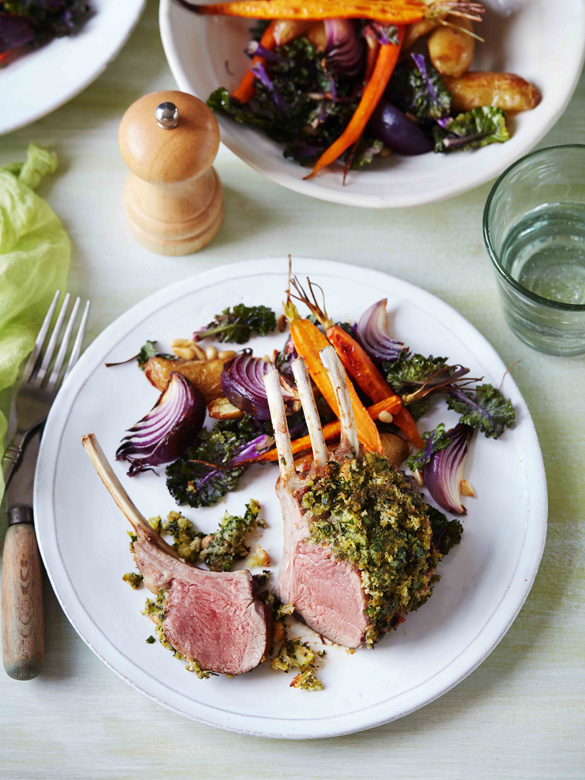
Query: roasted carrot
{"points": [[369, 379], [398, 12], [357, 362], [245, 91], [309, 341], [373, 91], [331, 432], [373, 47]]}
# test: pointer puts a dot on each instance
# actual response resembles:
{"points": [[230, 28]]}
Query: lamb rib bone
{"points": [[314, 427], [214, 618], [337, 375]]}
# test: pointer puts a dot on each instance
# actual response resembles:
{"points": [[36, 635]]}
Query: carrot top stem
{"points": [[318, 311]]}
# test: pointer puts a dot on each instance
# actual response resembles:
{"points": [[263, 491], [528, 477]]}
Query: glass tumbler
{"points": [[534, 232]]}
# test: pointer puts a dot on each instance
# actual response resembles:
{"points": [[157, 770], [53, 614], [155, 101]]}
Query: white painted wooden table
{"points": [[521, 714]]}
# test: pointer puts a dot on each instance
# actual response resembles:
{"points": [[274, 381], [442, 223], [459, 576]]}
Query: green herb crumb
{"points": [[133, 579], [307, 681], [227, 544]]}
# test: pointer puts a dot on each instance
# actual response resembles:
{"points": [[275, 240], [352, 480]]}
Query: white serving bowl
{"points": [[542, 41]]}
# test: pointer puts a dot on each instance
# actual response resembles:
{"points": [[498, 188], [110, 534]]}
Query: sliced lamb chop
{"points": [[217, 619], [337, 594]]}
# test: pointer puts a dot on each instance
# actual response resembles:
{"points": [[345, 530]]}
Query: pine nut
{"points": [[386, 417], [226, 354], [181, 343], [211, 353], [418, 477], [267, 359], [199, 353], [465, 489], [206, 541], [281, 323], [187, 353]]}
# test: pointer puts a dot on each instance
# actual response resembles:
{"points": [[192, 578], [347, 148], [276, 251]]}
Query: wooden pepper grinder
{"points": [[173, 196]]}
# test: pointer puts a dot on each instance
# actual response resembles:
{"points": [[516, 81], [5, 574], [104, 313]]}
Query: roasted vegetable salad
{"points": [[330, 82]]}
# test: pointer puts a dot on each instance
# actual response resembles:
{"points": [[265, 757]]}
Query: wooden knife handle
{"points": [[23, 624]]}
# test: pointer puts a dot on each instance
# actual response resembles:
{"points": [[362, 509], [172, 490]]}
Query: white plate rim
{"points": [[113, 45], [228, 132], [493, 630]]}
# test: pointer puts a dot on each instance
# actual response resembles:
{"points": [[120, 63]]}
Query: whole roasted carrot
{"points": [[369, 379], [357, 363], [373, 91], [331, 432], [309, 341], [387, 11], [245, 91]]}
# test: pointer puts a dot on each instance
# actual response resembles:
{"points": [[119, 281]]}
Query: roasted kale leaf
{"points": [[435, 440], [446, 533], [367, 149], [484, 408], [418, 89], [297, 102], [48, 18], [149, 350], [238, 323], [203, 474], [478, 127], [409, 373]]}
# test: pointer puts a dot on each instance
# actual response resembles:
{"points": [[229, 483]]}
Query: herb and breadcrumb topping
{"points": [[296, 654], [220, 550], [186, 537], [371, 515], [307, 681], [133, 579], [227, 544]]}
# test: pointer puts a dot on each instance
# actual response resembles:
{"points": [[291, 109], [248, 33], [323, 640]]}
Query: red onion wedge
{"points": [[344, 50], [372, 334], [444, 471], [242, 381], [167, 430]]}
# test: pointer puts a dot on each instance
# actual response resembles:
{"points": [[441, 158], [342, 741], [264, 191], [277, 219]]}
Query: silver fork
{"points": [[38, 388]]}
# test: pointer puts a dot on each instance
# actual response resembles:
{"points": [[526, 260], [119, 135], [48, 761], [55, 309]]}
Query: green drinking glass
{"points": [[534, 232]]}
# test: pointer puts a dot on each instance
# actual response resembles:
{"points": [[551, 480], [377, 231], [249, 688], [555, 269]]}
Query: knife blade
{"points": [[22, 596]]}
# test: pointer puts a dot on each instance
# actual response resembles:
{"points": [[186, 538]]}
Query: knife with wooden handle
{"points": [[23, 629]]}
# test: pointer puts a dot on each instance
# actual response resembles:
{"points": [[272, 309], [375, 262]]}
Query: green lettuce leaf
{"points": [[34, 260]]}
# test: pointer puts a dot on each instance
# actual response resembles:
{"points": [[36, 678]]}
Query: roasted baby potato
{"points": [[222, 409], [286, 30], [317, 34], [413, 32], [394, 448], [451, 49], [503, 90], [204, 374]]}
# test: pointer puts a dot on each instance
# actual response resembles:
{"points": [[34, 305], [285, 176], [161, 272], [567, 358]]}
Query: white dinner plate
{"points": [[44, 79], [82, 536], [540, 40]]}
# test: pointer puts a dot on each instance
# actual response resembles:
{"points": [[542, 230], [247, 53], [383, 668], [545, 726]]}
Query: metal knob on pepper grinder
{"points": [[173, 196]]}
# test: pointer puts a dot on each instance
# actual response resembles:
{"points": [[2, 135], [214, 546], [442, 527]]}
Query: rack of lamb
{"points": [[358, 553]]}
